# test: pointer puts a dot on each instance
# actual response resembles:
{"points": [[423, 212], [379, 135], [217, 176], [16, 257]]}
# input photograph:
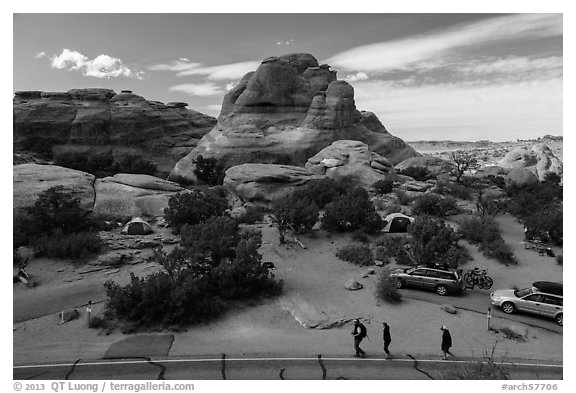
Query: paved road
{"points": [[269, 369], [38, 302], [479, 301]]}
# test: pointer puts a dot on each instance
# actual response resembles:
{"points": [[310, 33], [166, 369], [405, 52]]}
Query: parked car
{"points": [[441, 280], [543, 298]]}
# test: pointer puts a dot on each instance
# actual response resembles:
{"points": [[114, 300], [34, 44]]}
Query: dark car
{"points": [[543, 298], [442, 281]]}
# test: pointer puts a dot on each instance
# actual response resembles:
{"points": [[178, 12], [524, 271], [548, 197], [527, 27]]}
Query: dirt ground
{"points": [[314, 295]]}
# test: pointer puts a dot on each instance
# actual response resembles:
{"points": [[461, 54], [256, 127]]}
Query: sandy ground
{"points": [[314, 295]]}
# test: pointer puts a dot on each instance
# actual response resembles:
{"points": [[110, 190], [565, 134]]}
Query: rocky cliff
{"points": [[100, 125], [285, 112]]}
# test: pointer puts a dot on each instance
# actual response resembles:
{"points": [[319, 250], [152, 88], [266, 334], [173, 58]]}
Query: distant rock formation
{"points": [[285, 112], [353, 159], [539, 159], [265, 183], [108, 126], [434, 165]]}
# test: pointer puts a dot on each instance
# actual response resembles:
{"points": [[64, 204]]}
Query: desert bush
{"points": [[418, 173], [383, 186], [395, 247], [209, 170], [352, 211], [358, 254], [386, 288], [295, 212], [393, 208], [245, 276], [253, 215], [485, 232], [68, 245], [431, 240], [58, 209], [403, 197], [546, 224], [360, 236], [553, 177], [194, 207], [381, 254], [321, 191], [434, 205], [462, 162], [23, 228]]}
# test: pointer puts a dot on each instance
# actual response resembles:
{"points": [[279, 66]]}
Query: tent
{"points": [[397, 222], [137, 226]]}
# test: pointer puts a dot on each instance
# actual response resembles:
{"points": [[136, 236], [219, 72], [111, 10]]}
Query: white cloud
{"points": [[511, 65], [202, 89], [359, 76], [39, 55], [406, 52], [223, 71], [103, 66], [181, 64], [465, 111], [287, 43]]}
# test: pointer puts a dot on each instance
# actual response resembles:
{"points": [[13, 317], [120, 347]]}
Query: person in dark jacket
{"points": [[446, 341], [387, 338], [359, 333]]}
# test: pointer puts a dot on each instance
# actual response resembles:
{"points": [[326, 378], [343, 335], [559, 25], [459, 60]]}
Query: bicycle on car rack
{"points": [[477, 277]]}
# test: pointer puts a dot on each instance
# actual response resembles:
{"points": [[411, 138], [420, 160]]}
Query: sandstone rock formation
{"points": [[434, 165], [100, 122], [346, 158], [133, 195], [264, 183], [521, 177], [286, 111], [30, 180], [539, 159], [124, 195]]}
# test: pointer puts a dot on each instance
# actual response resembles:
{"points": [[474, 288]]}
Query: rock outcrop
{"points": [[99, 122], [521, 177], [264, 183], [122, 195], [30, 180], [286, 111], [133, 195], [539, 159], [346, 158]]}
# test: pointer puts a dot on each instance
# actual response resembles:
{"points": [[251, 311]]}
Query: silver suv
{"points": [[543, 298], [443, 281]]}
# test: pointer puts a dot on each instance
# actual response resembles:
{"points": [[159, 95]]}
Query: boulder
{"points": [[434, 165], [53, 123], [353, 285], [449, 309], [284, 113], [418, 186], [539, 159], [350, 159], [264, 183], [521, 177], [30, 180], [133, 195]]}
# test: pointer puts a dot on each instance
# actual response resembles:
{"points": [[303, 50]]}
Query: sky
{"points": [[426, 76]]}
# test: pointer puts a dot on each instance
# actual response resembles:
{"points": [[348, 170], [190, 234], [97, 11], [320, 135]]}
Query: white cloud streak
{"points": [[403, 53], [201, 89], [40, 55], [179, 65], [359, 76], [224, 71], [103, 66]]}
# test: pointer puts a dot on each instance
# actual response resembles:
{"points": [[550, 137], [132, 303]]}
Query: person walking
{"points": [[359, 333], [446, 341], [387, 338]]}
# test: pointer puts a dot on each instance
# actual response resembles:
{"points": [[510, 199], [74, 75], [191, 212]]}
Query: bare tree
{"points": [[462, 162]]}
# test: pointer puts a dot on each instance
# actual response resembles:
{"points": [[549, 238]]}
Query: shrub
{"points": [[296, 212], [212, 240], [418, 173], [386, 288], [383, 186], [434, 205], [23, 228], [381, 254], [352, 211], [393, 208], [209, 170], [547, 224], [321, 191], [485, 232], [460, 191], [58, 209], [193, 207], [393, 246], [68, 245], [360, 236], [432, 240], [403, 197], [553, 177], [253, 215], [356, 254]]}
